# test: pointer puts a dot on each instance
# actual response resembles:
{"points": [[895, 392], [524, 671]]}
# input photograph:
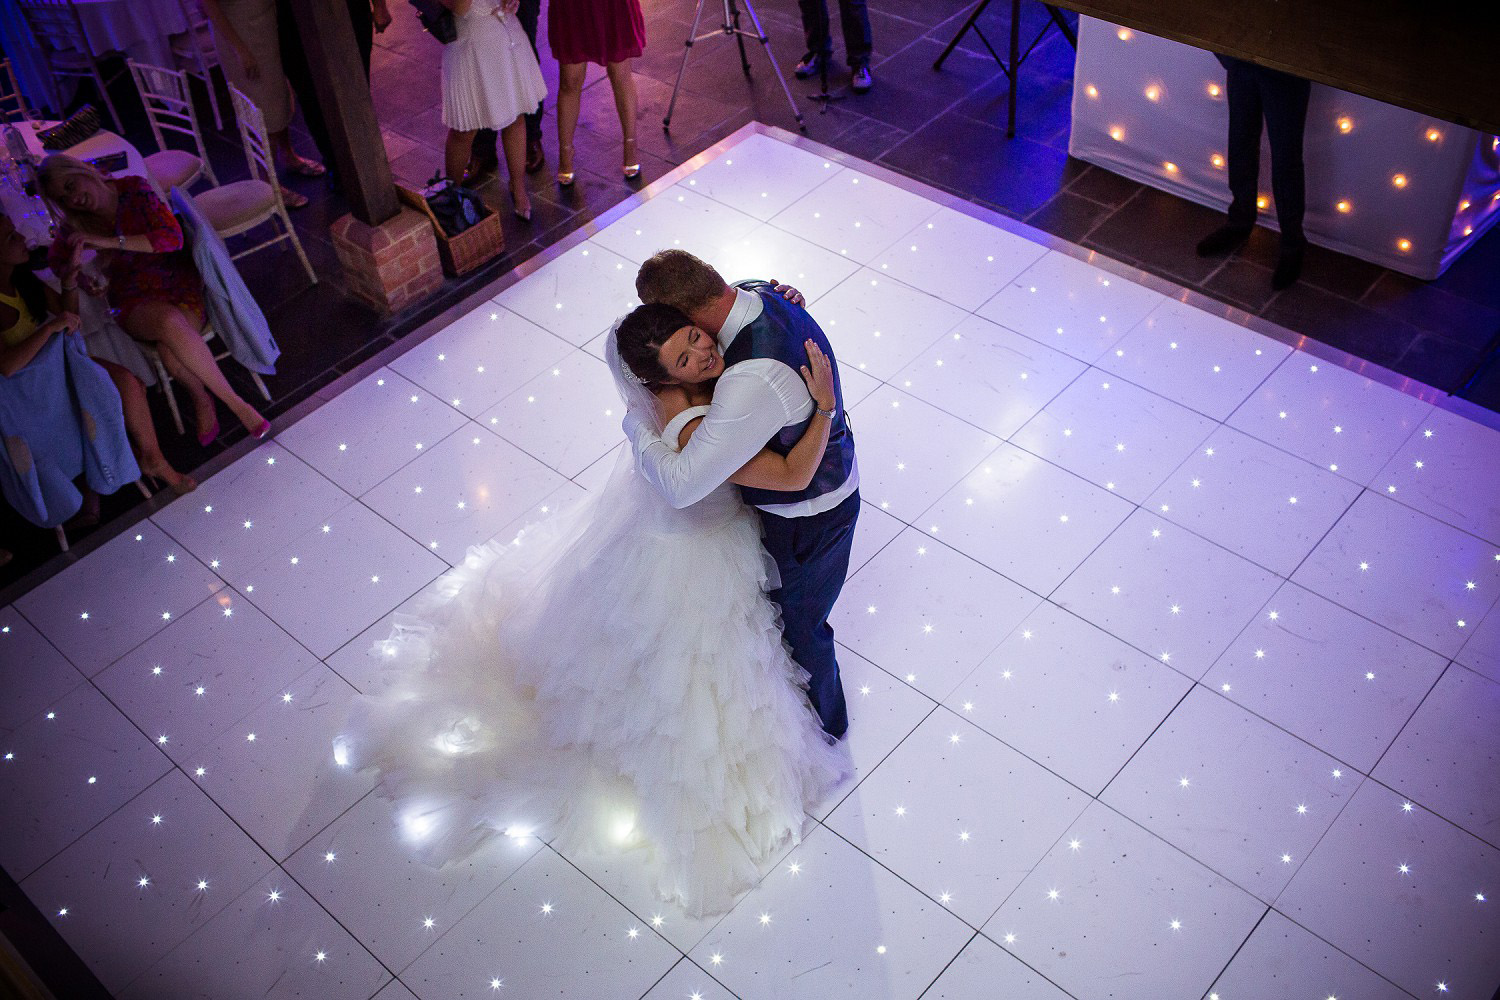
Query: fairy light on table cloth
{"points": [[1154, 110]]}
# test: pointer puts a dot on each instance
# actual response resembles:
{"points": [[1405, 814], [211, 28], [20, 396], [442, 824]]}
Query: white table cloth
{"points": [[140, 29], [1384, 184]]}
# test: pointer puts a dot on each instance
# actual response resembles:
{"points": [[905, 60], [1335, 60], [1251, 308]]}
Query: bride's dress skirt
{"points": [[614, 679]]}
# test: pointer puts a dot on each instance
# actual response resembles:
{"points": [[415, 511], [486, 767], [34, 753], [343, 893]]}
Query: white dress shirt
{"points": [[752, 402]]}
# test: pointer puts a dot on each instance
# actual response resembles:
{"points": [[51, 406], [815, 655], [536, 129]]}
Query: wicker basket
{"points": [[469, 249]]}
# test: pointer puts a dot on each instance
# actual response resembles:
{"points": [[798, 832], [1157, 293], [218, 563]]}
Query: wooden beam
{"points": [[1438, 59], [353, 131]]}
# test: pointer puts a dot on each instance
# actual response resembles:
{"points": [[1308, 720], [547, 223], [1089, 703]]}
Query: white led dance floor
{"points": [[1173, 653]]}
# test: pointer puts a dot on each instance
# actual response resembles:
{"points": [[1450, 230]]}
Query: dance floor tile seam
{"points": [[1087, 501]]}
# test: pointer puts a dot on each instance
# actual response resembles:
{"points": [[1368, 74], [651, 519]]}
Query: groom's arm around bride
{"points": [[760, 401]]}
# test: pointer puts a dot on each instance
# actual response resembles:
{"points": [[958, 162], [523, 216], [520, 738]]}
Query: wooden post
{"points": [[353, 131]]}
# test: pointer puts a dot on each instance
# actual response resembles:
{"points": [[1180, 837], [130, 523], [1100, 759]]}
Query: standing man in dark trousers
{"points": [[858, 42], [484, 162], [1254, 92], [369, 17]]}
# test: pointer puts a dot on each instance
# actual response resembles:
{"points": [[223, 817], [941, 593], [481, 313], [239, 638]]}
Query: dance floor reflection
{"points": [[1172, 651]]}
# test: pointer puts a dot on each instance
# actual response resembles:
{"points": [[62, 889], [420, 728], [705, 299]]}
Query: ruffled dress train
{"points": [[611, 680]]}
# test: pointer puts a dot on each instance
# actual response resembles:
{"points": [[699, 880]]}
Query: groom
{"points": [[760, 401]]}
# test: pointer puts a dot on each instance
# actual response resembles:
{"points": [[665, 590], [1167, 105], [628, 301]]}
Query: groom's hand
{"points": [[789, 293]]}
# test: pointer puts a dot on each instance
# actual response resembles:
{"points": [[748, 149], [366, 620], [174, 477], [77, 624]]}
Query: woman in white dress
{"points": [[612, 680], [490, 80]]}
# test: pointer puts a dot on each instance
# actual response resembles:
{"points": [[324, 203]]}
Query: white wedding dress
{"points": [[612, 680]]}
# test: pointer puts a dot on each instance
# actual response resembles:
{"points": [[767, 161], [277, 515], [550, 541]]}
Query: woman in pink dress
{"points": [[610, 33]]}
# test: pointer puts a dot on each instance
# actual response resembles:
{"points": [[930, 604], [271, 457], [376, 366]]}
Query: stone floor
{"points": [[945, 129]]}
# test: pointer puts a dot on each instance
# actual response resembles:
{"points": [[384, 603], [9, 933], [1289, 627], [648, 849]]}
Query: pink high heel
{"points": [[261, 430], [211, 435]]}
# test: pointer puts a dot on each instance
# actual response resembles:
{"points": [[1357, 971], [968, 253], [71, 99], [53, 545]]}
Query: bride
{"points": [[614, 678]]}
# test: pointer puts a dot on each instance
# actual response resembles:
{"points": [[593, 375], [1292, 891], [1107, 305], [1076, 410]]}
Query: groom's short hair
{"points": [[678, 279]]}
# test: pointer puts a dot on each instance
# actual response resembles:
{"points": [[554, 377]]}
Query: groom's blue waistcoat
{"points": [[780, 332]]}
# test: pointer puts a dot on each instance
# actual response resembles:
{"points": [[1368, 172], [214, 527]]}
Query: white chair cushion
{"points": [[173, 168], [235, 207]]}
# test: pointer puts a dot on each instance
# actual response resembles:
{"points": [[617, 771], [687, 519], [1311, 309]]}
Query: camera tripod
{"points": [[730, 27]]}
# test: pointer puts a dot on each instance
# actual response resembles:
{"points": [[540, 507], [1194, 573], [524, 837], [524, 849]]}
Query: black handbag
{"points": [[456, 208], [436, 19]]}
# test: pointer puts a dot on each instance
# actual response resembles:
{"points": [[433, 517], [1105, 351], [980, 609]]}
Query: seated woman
{"points": [[154, 289], [32, 313]]}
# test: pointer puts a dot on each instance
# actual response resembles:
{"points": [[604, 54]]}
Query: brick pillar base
{"points": [[390, 265]]}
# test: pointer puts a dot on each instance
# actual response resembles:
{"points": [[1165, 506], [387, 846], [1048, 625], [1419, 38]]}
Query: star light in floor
{"points": [[1286, 859], [274, 896], [945, 898], [496, 983], [765, 920], [795, 868], [429, 923], [321, 957], [1403, 869], [1183, 782], [1053, 894], [1010, 939], [143, 881], [329, 857], [1074, 844], [1406, 807], [963, 835], [633, 933], [656, 920], [900, 810], [201, 885], [1176, 925], [156, 819], [1114, 697], [716, 958], [546, 909]]}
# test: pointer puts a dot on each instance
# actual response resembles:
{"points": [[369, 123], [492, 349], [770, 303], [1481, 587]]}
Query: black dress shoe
{"points": [[1288, 268], [1222, 240], [811, 65], [480, 169]]}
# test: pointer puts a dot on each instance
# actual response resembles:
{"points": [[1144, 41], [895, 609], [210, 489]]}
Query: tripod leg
{"points": [[973, 19], [765, 45], [687, 50], [1015, 65], [1063, 26], [739, 36]]}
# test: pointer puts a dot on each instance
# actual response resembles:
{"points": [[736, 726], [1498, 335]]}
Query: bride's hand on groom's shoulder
{"points": [[789, 293]]}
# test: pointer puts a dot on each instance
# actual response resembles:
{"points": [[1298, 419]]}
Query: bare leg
{"points": [[569, 103], [142, 430], [456, 153], [622, 82], [287, 158], [203, 403], [163, 323], [513, 140]]}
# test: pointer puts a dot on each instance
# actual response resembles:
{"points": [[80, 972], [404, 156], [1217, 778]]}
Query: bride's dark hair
{"points": [[640, 337]]}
